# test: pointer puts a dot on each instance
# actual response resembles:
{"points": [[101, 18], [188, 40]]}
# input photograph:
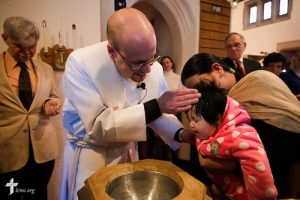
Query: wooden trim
{"points": [[209, 17], [207, 34], [217, 2], [288, 45], [223, 28], [214, 26], [217, 52], [207, 7], [211, 43]]}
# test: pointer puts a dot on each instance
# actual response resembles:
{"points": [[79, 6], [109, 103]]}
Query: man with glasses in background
{"points": [[113, 90], [235, 46]]}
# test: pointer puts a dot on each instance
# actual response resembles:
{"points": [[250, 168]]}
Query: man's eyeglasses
{"points": [[139, 66], [26, 48], [235, 45]]}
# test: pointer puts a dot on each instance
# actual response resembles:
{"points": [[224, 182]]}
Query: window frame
{"points": [[262, 11], [275, 17], [282, 17]]}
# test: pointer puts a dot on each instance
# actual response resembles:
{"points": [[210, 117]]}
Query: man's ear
{"points": [[4, 37], [111, 51]]}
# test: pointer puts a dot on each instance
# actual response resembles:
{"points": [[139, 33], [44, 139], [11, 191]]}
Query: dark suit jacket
{"points": [[16, 122], [249, 65]]}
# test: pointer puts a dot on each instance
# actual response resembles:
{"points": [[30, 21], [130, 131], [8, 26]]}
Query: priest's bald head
{"points": [[131, 43]]}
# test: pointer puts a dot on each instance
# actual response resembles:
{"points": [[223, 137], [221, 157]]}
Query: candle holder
{"points": [[56, 56], [45, 53], [46, 56], [59, 57]]}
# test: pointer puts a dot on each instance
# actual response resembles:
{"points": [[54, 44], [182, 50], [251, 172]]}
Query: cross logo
{"points": [[11, 184], [120, 4]]}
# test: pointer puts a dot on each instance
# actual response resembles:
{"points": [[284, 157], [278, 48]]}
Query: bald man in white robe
{"points": [[106, 110]]}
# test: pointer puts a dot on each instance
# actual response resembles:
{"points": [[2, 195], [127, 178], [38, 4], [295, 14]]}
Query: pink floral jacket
{"points": [[235, 139]]}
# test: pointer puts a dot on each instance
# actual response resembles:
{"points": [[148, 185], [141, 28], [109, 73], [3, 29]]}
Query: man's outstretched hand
{"points": [[177, 101]]}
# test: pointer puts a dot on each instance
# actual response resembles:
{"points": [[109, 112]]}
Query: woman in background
{"points": [[172, 79], [275, 63]]}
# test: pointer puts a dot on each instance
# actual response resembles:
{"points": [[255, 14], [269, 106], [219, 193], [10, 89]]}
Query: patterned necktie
{"points": [[240, 68], [25, 91]]}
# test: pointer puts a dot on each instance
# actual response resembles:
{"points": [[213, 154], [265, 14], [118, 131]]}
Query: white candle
{"points": [[45, 36], [60, 35], [74, 36], [60, 41]]}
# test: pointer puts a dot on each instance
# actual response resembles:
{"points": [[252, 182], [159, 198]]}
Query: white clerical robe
{"points": [[104, 115]]}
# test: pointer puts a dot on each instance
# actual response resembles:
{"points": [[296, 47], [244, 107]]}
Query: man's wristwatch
{"points": [[179, 135]]}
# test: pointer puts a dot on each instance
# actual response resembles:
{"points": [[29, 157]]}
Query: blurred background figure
{"points": [[292, 76], [172, 79], [235, 46], [275, 63]]}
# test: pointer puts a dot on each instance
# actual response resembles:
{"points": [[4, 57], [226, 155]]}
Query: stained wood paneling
{"points": [[211, 17], [214, 26], [223, 28], [217, 2], [217, 52], [211, 43], [206, 34]]}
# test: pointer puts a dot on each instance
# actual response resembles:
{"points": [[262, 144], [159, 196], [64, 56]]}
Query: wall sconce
{"points": [[233, 3], [60, 58], [58, 54]]}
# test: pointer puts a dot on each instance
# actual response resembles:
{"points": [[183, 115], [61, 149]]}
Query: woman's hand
{"points": [[218, 165]]}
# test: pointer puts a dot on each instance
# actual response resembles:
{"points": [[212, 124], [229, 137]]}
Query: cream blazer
{"points": [[16, 122]]}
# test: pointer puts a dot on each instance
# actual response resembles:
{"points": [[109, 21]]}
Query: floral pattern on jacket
{"points": [[235, 139]]}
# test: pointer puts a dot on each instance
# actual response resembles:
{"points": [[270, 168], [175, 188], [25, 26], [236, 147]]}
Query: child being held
{"points": [[222, 131]]}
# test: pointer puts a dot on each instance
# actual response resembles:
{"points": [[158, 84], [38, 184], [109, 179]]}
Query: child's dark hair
{"points": [[212, 102]]}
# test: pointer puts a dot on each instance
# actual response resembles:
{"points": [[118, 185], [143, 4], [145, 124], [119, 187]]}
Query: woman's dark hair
{"points": [[274, 57], [169, 57], [212, 102], [201, 63]]}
